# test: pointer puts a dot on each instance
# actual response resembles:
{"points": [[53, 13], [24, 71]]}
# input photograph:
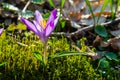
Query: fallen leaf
{"points": [[77, 11], [113, 42], [97, 41]]}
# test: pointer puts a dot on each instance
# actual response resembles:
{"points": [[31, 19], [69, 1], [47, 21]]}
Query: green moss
{"points": [[22, 65], [13, 27], [72, 68]]}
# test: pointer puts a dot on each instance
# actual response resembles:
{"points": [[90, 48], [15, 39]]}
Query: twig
{"points": [[81, 30], [24, 9], [77, 48]]}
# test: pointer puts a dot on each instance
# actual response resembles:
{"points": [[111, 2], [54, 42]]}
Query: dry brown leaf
{"points": [[77, 11], [113, 42], [97, 41], [105, 14], [96, 3], [90, 21], [75, 16]]}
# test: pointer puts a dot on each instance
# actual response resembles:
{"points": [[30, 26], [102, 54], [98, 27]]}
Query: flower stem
{"points": [[45, 51]]}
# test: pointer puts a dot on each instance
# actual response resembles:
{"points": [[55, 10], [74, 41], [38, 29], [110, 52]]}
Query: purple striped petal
{"points": [[30, 25], [41, 32], [1, 30], [51, 27], [52, 16], [38, 16], [38, 28]]}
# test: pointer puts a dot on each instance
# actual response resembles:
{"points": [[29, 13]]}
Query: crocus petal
{"points": [[52, 16], [1, 30], [29, 25], [41, 32], [38, 28], [38, 16], [51, 27]]}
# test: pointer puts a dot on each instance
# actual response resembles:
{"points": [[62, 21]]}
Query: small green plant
{"points": [[90, 8], [101, 30], [106, 65], [3, 63], [102, 9]]}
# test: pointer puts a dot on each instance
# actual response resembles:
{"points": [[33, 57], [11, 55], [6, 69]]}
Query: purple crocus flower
{"points": [[1, 30], [40, 27]]}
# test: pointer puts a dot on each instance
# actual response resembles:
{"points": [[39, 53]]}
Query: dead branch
{"points": [[82, 30]]}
